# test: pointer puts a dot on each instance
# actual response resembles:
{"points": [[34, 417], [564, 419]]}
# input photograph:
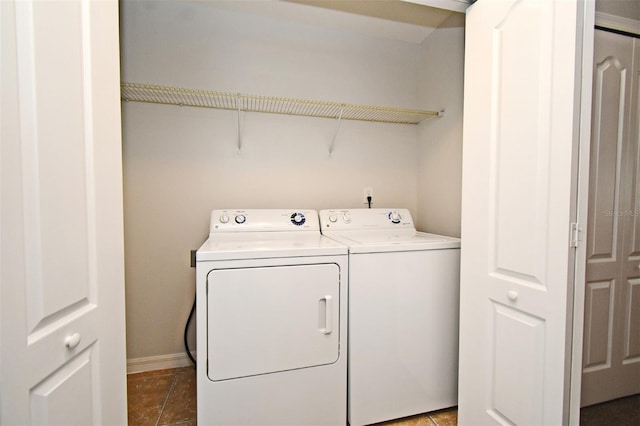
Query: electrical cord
{"points": [[186, 328]]}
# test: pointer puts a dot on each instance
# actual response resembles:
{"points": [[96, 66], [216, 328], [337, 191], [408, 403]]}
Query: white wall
{"points": [[180, 163], [440, 140]]}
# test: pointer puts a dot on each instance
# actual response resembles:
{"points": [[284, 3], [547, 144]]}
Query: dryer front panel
{"points": [[264, 320]]}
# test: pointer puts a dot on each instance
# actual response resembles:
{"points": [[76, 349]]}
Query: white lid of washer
{"points": [[388, 241], [380, 230]]}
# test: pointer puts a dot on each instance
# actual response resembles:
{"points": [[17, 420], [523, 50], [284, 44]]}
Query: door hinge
{"points": [[575, 234]]}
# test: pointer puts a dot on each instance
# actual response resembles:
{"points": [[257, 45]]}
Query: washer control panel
{"points": [[364, 219], [334, 217], [263, 220], [394, 217]]}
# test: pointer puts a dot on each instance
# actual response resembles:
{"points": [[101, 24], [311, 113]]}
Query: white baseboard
{"points": [[160, 362]]}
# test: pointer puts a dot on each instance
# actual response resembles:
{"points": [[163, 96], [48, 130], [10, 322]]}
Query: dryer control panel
{"points": [[365, 219], [263, 220]]}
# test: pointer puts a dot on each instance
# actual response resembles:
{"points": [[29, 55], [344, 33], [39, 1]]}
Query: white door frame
{"points": [[582, 194]]}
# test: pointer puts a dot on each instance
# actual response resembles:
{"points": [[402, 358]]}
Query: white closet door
{"points": [[62, 276], [519, 170], [611, 352]]}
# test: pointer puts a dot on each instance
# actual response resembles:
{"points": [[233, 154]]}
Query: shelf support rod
{"points": [[239, 127], [335, 135]]}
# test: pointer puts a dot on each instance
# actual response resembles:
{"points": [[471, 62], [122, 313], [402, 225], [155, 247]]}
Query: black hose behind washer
{"points": [[186, 328]]}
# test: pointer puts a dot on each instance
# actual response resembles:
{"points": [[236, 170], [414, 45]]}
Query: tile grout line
{"points": [[164, 404]]}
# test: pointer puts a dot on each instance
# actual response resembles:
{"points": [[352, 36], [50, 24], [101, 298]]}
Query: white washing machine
{"points": [[271, 321], [403, 314]]}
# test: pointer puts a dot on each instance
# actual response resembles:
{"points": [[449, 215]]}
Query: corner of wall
{"points": [[440, 139]]}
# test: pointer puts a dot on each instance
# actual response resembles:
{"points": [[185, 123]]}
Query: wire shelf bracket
{"points": [[335, 135], [239, 126]]}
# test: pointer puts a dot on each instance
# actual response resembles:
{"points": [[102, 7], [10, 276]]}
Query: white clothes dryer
{"points": [[271, 321], [403, 314]]}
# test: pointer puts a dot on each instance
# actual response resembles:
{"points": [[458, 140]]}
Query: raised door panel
{"points": [[632, 212], [599, 325], [54, 162], [55, 165], [611, 93], [62, 398], [519, 148], [631, 342], [518, 393]]}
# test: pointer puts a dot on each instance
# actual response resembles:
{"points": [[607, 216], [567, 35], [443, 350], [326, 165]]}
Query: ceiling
{"points": [[396, 20], [398, 11]]}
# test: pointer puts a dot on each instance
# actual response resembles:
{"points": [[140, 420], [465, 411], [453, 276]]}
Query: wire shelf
{"points": [[268, 104]]}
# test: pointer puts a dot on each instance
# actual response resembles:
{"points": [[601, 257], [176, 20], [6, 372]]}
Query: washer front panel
{"points": [[403, 314], [265, 320], [403, 333]]}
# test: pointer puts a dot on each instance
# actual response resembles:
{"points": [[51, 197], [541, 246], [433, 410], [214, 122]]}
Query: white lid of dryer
{"points": [[266, 233]]}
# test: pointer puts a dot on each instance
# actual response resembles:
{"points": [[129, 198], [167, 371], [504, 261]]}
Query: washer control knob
{"points": [[333, 218], [298, 219], [346, 218], [240, 218], [395, 217], [224, 218]]}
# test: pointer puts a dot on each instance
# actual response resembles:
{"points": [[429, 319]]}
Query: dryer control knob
{"points": [[395, 217], [241, 218], [346, 218], [224, 218], [298, 219], [333, 218]]}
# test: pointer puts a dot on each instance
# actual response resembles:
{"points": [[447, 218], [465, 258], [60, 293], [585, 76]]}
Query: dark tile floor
{"points": [[168, 397], [619, 412], [162, 397]]}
